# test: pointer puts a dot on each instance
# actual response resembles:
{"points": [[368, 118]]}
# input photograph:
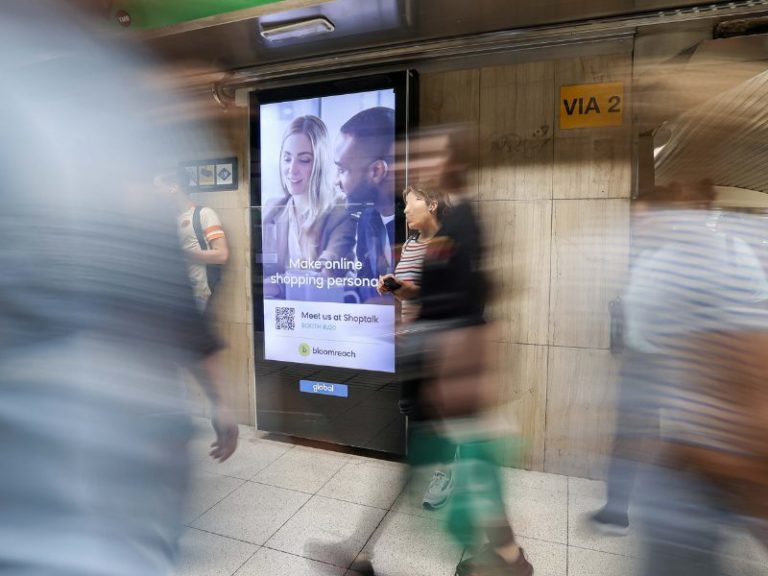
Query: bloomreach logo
{"points": [[305, 349]]}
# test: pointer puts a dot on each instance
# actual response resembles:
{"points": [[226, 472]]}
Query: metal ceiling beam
{"points": [[412, 53]]}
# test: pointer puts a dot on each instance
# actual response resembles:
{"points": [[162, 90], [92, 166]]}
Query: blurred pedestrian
{"points": [[96, 312], [637, 418], [424, 209], [455, 384], [698, 303]]}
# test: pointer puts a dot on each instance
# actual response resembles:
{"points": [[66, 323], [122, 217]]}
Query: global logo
{"points": [[305, 349]]}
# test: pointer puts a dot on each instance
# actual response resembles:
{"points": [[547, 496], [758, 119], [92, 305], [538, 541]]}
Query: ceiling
{"points": [[232, 41], [724, 139], [721, 133]]}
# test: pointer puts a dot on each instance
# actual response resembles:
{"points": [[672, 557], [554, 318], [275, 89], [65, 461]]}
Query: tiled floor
{"points": [[274, 508]]}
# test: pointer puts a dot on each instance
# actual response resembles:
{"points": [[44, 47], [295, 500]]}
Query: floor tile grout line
{"points": [[300, 508], [317, 494], [604, 551], [408, 477], [225, 536], [247, 560], [370, 506], [349, 501], [252, 480], [212, 472], [393, 512], [370, 536], [227, 495], [272, 463], [311, 496], [541, 540], [333, 476], [281, 487], [306, 558], [303, 492], [399, 494], [278, 529]]}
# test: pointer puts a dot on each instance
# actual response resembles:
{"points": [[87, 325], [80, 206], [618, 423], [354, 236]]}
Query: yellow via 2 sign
{"points": [[591, 105]]}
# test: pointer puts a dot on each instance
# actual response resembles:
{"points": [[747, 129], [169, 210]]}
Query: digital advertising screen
{"points": [[328, 229]]}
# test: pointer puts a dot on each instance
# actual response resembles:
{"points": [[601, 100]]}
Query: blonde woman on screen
{"points": [[310, 222]]}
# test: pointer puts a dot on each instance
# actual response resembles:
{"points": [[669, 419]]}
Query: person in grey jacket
{"points": [[96, 311]]}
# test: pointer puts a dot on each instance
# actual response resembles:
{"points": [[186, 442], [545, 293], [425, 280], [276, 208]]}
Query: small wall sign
{"points": [[591, 105], [123, 18], [215, 175]]}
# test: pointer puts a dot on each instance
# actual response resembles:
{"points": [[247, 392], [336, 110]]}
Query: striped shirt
{"points": [[409, 268], [696, 308]]}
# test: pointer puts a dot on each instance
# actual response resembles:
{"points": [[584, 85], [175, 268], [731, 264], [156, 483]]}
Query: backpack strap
{"points": [[212, 271], [198, 227]]}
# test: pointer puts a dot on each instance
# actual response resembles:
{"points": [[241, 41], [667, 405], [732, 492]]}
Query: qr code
{"points": [[285, 318]]}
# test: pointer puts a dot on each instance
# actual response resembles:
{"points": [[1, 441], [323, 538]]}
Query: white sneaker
{"points": [[439, 490]]}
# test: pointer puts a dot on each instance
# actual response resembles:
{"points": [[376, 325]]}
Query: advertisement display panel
{"points": [[328, 229]]}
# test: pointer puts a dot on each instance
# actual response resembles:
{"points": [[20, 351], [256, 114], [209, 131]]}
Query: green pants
{"points": [[477, 499]]}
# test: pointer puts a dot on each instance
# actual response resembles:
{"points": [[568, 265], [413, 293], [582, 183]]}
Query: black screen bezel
{"points": [[373, 395]]}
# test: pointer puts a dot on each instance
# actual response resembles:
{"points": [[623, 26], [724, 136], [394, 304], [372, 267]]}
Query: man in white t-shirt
{"points": [[201, 235]]}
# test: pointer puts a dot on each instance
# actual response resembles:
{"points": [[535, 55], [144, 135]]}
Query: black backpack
{"points": [[213, 271]]}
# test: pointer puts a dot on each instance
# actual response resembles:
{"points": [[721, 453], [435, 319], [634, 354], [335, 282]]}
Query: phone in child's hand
{"points": [[391, 284]]}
